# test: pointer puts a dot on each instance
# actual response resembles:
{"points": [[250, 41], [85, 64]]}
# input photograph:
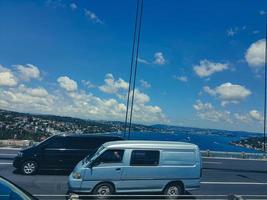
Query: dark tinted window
{"points": [[83, 143], [145, 158], [89, 142], [57, 143], [111, 156]]}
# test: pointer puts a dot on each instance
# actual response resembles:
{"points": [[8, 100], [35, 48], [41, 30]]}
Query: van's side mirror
{"points": [[90, 165], [93, 163]]}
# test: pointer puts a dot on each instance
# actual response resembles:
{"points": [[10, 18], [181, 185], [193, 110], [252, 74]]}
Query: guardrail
{"points": [[204, 153], [239, 155]]}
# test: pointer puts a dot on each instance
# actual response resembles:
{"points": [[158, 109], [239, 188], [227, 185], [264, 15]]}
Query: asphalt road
{"points": [[220, 177]]}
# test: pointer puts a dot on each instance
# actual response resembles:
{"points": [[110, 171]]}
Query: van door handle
{"points": [[118, 169]]}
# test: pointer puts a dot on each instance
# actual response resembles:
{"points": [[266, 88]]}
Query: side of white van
{"points": [[139, 166]]}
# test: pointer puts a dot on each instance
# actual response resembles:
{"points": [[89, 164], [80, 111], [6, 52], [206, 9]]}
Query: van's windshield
{"points": [[44, 141], [93, 155]]}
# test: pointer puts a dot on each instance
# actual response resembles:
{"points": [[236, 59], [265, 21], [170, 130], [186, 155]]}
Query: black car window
{"points": [[57, 143], [111, 156], [144, 158], [80, 143], [86, 142]]}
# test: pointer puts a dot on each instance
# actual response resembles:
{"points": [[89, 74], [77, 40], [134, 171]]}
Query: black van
{"points": [[59, 152]]}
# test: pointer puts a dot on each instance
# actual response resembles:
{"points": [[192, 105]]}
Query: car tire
{"points": [[29, 167], [103, 191], [173, 191]]}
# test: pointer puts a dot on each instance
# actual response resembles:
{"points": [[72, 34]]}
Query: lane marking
{"points": [[7, 154], [5, 163], [217, 163], [10, 148], [233, 183]]}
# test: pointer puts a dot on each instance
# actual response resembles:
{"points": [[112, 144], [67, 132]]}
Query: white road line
{"points": [[5, 163], [7, 154], [10, 148], [234, 183], [217, 163]]}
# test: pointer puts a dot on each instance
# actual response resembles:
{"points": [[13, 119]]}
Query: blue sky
{"points": [[200, 64]]}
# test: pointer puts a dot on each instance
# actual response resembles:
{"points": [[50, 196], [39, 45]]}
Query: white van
{"points": [[138, 166]]}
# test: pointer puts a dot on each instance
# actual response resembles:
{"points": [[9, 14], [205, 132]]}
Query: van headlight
{"points": [[76, 175], [20, 154]]}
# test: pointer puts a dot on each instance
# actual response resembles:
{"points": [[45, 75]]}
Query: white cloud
{"points": [[143, 61], [207, 68], [256, 32], [159, 59], [55, 3], [237, 121], [113, 86], [7, 78], [28, 72], [255, 54], [67, 83], [232, 31], [73, 6], [24, 99], [199, 106], [140, 98], [229, 93], [208, 90], [256, 115], [34, 92], [262, 12], [88, 84], [206, 111], [241, 118], [181, 78], [79, 103], [249, 118], [92, 16], [145, 84]]}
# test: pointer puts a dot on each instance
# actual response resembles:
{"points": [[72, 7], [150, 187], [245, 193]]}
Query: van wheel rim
{"points": [[29, 167], [173, 191], [103, 191]]}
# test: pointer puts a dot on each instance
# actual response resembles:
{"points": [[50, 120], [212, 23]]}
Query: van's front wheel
{"points": [[103, 191], [173, 191]]}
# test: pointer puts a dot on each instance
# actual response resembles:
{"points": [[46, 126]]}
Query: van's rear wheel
{"points": [[29, 167], [173, 191], [103, 191]]}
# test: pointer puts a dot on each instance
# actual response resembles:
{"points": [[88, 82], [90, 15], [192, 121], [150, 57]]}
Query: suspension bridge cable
{"points": [[131, 68], [136, 64], [265, 89]]}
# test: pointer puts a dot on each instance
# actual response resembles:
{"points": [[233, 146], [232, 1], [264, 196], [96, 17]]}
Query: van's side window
{"points": [[144, 158], [111, 156]]}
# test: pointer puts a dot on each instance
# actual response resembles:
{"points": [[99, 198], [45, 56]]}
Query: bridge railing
{"points": [[237, 155], [12, 152]]}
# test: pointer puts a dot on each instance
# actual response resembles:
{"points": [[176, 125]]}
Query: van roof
{"points": [[144, 144]]}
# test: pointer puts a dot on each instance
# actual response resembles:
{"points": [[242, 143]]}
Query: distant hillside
{"points": [[15, 125]]}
